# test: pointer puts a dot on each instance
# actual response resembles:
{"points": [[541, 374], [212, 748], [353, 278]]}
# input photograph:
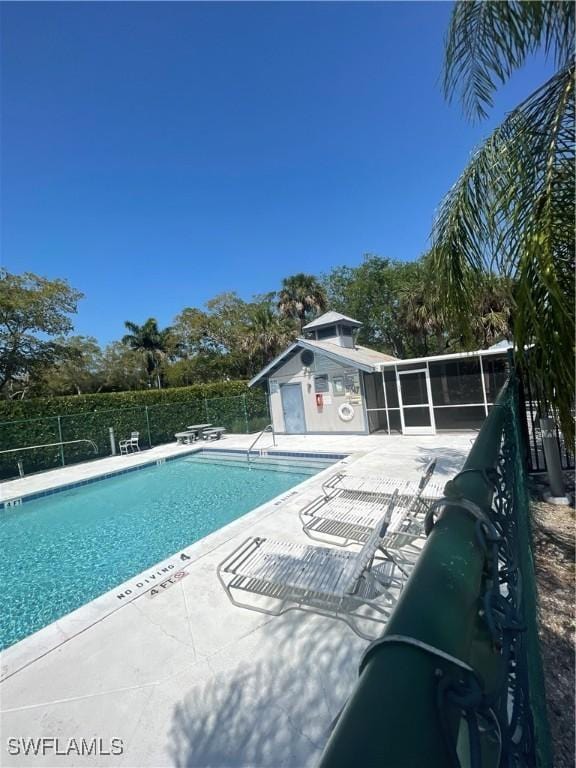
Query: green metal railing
{"points": [[456, 678]]}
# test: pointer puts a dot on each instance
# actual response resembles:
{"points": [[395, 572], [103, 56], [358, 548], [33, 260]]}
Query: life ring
{"points": [[346, 412]]}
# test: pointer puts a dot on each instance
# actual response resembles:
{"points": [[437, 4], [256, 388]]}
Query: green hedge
{"points": [[12, 410], [156, 414]]}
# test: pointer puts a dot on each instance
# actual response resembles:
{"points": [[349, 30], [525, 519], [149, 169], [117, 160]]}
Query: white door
{"points": [[415, 398], [293, 409]]}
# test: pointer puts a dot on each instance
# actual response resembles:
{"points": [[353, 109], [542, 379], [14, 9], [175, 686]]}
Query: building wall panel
{"points": [[322, 418]]}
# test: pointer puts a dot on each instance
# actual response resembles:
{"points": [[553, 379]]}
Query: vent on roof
{"points": [[306, 357]]}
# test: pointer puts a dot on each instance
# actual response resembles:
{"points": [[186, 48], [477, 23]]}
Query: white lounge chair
{"points": [[280, 576], [130, 444], [380, 485], [351, 507]]}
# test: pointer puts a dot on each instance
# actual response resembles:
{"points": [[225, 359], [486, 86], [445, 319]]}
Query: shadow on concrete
{"points": [[449, 460], [273, 695], [276, 707]]}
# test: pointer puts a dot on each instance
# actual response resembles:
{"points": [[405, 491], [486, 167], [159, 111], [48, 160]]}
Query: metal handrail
{"points": [[51, 445], [267, 428]]}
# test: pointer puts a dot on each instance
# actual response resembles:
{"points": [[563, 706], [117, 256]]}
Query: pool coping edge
{"points": [[15, 501]]}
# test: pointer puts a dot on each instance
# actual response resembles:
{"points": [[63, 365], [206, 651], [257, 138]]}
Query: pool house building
{"points": [[326, 383]]}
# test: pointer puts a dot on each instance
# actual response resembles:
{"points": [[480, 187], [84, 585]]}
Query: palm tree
{"points": [[265, 335], [490, 311], [418, 311], [421, 318], [512, 210], [301, 297], [154, 344]]}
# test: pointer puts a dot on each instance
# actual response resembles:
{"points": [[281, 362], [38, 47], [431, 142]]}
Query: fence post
{"points": [[269, 409], [112, 441], [206, 409], [245, 413], [62, 459], [148, 427], [553, 463]]}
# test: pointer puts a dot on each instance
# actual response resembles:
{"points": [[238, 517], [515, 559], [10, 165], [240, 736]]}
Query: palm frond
{"points": [[512, 212], [489, 39], [134, 328], [527, 159]]}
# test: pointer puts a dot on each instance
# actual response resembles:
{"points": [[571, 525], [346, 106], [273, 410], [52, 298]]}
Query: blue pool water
{"points": [[60, 551]]}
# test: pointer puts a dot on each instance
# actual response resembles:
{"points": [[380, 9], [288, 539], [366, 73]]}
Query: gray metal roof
{"points": [[368, 360], [358, 356], [493, 350], [330, 318], [282, 357], [364, 359]]}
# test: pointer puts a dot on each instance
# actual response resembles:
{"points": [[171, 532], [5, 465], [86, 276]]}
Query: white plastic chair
{"points": [[130, 444]]}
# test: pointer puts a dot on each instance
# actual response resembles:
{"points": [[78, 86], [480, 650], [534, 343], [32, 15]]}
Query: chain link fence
{"points": [[157, 425], [456, 678]]}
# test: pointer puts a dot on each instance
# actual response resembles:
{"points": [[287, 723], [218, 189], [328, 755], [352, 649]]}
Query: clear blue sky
{"points": [[156, 154]]}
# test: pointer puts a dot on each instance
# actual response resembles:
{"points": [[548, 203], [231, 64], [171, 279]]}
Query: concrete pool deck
{"points": [[186, 678]]}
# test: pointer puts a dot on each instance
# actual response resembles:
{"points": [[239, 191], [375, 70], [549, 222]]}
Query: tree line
{"points": [[231, 338]]}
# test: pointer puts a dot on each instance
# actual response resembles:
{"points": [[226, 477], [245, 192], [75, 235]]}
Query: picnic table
{"points": [[197, 429], [214, 433], [192, 433]]}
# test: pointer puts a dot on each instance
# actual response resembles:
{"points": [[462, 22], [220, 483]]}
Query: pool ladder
{"points": [[267, 428]]}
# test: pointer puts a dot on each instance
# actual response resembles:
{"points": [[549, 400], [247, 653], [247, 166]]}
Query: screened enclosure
{"points": [[448, 392]]}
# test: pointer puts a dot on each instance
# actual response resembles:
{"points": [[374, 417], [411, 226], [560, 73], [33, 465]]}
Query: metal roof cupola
{"points": [[333, 327]]}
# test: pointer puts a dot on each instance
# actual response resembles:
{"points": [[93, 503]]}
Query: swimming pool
{"points": [[63, 550]]}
